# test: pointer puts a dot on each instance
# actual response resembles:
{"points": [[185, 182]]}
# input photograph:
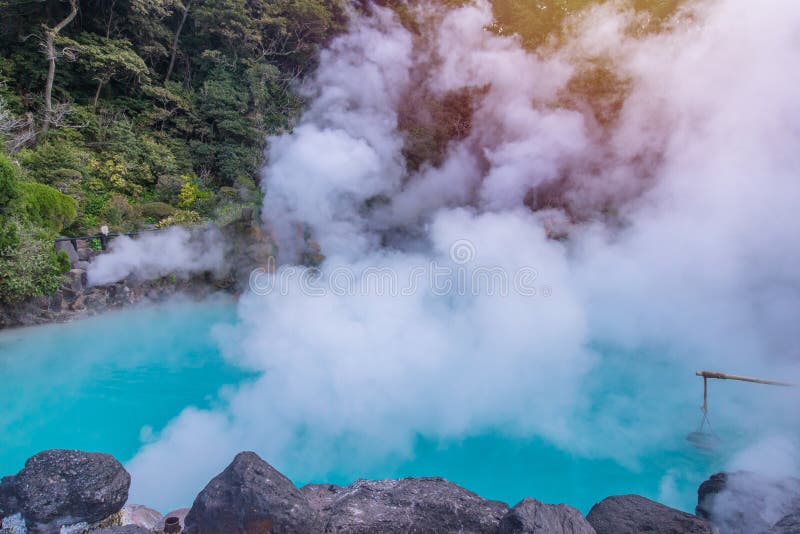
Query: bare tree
{"points": [[50, 39], [175, 41], [14, 131], [8, 122]]}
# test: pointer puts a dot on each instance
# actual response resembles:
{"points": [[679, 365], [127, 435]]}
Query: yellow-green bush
{"points": [[182, 217]]}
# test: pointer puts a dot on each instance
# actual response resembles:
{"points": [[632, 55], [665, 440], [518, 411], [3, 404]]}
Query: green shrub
{"points": [[30, 270], [9, 188], [228, 193], [226, 214], [158, 210], [51, 161], [169, 186], [66, 175], [121, 215], [9, 236], [62, 262], [46, 207]]}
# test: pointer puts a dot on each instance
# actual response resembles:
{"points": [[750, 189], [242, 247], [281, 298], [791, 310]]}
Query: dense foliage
{"points": [[133, 112], [158, 114]]}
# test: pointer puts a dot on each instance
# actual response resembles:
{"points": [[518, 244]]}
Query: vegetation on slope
{"points": [[141, 112], [133, 112]]}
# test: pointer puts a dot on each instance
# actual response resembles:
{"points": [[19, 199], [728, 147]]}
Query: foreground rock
{"points": [[127, 529], [530, 516], [60, 487], [86, 492], [788, 525], [632, 514], [250, 497], [141, 516], [746, 503], [406, 505]]}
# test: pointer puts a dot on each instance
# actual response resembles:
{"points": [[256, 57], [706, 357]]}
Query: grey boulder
{"points": [[250, 497], [62, 487], [407, 505], [633, 514], [69, 250], [530, 516]]}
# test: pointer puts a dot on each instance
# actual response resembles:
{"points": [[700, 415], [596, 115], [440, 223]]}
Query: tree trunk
{"points": [[175, 41], [50, 39], [110, 18], [97, 95]]}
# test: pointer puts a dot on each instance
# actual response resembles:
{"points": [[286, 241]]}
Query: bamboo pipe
{"points": [[724, 376]]}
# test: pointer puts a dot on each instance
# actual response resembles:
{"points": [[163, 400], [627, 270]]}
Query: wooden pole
{"points": [[723, 376]]}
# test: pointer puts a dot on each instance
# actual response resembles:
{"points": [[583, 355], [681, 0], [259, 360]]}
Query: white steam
{"points": [[762, 488], [176, 250], [695, 267]]}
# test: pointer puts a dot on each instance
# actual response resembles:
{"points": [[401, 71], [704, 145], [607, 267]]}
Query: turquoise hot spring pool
{"points": [[113, 382]]}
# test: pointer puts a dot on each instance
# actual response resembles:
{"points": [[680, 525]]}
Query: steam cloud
{"points": [[680, 250], [173, 251]]}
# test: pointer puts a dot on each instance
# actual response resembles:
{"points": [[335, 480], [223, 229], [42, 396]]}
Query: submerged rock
{"points": [[746, 503], [633, 514], [530, 516], [402, 506], [250, 497], [61, 487]]}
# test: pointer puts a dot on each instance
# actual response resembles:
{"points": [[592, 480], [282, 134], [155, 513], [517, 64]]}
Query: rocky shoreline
{"points": [[247, 246], [76, 300], [70, 492]]}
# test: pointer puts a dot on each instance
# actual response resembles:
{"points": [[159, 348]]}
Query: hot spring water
{"points": [[104, 384], [113, 382]]}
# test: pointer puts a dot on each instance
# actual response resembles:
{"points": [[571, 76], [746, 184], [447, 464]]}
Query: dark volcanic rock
{"points": [[707, 490], [127, 529], [530, 516], [408, 505], [321, 497], [250, 497], [632, 514], [788, 525], [61, 487], [745, 502], [8, 497]]}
